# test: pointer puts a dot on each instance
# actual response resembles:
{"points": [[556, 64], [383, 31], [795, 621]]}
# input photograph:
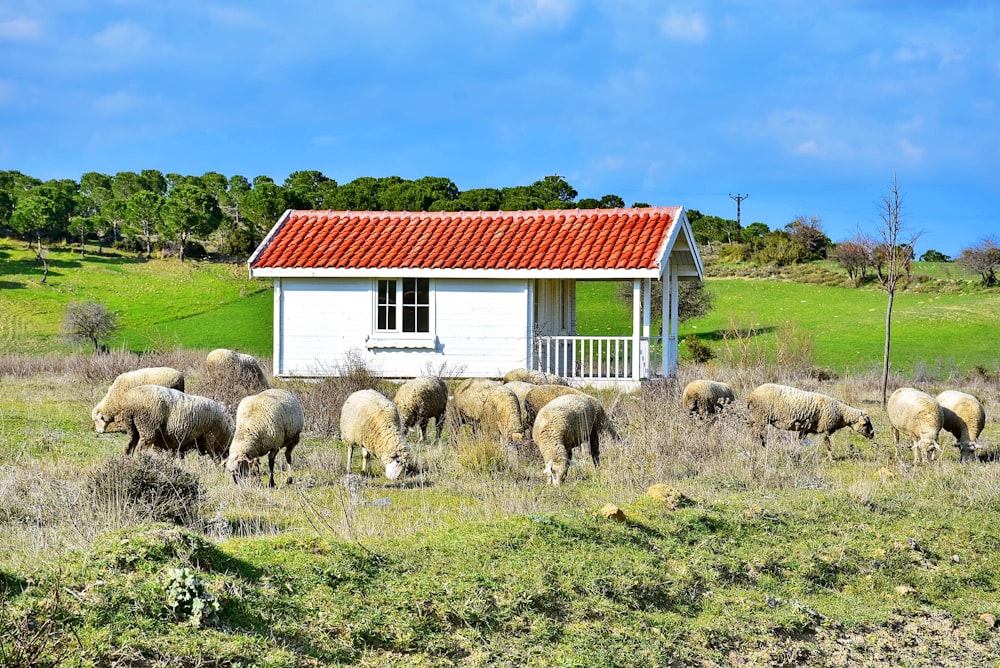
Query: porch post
{"points": [[666, 323], [636, 305], [674, 299], [646, 344]]}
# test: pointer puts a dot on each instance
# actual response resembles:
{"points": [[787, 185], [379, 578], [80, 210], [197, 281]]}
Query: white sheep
{"points": [[164, 376], [371, 421], [265, 423], [167, 419], [539, 395], [470, 395], [804, 412], [919, 416], [706, 397], [241, 368], [564, 423], [533, 377], [502, 416], [964, 417], [419, 400]]}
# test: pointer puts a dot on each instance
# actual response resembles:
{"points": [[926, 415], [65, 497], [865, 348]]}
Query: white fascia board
{"points": [[577, 274], [682, 226], [267, 240]]}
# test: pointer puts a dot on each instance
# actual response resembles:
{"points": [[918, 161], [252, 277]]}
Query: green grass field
{"points": [[164, 304]]}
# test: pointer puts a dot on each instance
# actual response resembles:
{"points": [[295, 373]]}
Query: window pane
{"points": [[386, 307], [409, 319], [423, 319]]}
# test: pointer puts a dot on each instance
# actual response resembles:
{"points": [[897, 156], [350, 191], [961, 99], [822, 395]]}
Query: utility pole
{"points": [[739, 198]]}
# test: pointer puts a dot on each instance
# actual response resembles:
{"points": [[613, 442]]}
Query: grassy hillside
{"points": [[161, 303], [164, 304]]}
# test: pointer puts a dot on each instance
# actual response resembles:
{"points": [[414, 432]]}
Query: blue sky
{"points": [[808, 107]]}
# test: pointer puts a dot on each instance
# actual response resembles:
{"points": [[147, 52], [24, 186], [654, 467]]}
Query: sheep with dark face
{"points": [[420, 400], [706, 397], [164, 376], [266, 423], [369, 420], [564, 423], [804, 412], [919, 416], [964, 417], [167, 419]]}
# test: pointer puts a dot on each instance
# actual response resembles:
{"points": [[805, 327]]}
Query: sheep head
{"points": [[556, 472], [396, 464], [967, 451], [863, 425], [240, 466]]}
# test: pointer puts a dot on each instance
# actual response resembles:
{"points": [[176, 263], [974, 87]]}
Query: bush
{"points": [[145, 487], [700, 351]]}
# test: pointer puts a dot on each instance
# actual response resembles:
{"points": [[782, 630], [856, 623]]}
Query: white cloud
{"points": [[809, 147], [540, 13], [20, 30], [910, 151], [123, 38], [684, 27], [116, 103]]}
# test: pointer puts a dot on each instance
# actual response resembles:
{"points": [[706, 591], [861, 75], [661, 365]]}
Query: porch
{"points": [[602, 359]]}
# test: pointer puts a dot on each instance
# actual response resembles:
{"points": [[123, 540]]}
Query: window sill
{"points": [[423, 342]]}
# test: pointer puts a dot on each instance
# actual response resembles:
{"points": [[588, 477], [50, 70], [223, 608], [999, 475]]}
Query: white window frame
{"points": [[396, 337]]}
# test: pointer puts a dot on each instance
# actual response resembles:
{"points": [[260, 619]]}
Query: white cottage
{"points": [[475, 293]]}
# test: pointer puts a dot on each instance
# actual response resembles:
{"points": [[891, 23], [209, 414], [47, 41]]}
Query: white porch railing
{"points": [[597, 357]]}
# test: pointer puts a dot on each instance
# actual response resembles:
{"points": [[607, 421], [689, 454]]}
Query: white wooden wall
{"points": [[481, 328]]}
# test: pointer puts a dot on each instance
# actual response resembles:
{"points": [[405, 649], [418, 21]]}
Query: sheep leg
{"points": [[366, 460], [595, 448], [270, 465], [133, 438], [829, 447], [288, 458], [350, 455]]}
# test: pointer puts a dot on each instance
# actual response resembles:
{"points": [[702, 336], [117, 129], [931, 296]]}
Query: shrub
{"points": [[700, 351], [89, 322], [145, 487]]}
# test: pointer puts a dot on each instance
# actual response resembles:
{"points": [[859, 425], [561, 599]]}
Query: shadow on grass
{"points": [[723, 334]]}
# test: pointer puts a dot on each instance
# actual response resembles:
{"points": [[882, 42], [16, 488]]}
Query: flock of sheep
{"points": [[150, 405], [526, 409], [912, 412]]}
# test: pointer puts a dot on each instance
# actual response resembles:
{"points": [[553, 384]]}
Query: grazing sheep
{"points": [[244, 369], [502, 416], [564, 423], [706, 397], [371, 421], [164, 376], [265, 423], [419, 400], [919, 416], [167, 419], [804, 412], [964, 417], [540, 395], [533, 377], [470, 395]]}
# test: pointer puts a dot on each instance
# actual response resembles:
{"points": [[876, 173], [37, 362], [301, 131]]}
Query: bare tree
{"points": [[89, 322], [854, 256], [982, 259], [896, 255]]}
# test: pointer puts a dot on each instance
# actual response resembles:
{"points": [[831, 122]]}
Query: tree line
{"points": [[150, 210], [802, 240]]}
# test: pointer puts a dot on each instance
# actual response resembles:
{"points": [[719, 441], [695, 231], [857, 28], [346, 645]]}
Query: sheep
{"points": [[419, 400], [239, 368], [502, 415], [706, 397], [804, 412], [964, 417], [919, 416], [371, 421], [164, 376], [265, 423], [470, 396], [167, 419], [564, 423], [540, 395], [533, 377]]}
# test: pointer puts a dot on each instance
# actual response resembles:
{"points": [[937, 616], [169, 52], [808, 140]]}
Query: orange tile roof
{"points": [[516, 240]]}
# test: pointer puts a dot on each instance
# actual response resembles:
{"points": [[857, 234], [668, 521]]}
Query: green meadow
{"points": [[164, 304]]}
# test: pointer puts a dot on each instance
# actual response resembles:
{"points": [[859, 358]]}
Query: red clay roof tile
{"points": [[577, 239]]}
